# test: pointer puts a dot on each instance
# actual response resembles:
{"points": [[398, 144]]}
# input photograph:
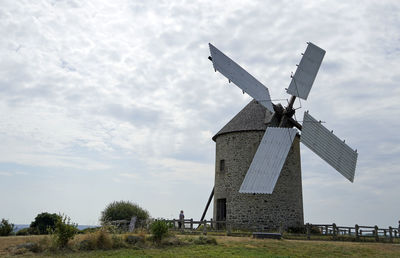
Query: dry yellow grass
{"points": [[7, 242]]}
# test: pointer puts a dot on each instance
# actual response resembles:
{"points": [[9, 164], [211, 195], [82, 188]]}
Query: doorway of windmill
{"points": [[221, 212]]}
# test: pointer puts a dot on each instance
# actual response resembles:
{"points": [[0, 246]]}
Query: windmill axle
{"points": [[283, 117]]}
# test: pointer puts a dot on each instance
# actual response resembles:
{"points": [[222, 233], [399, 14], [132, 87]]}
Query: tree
{"points": [[44, 222], [6, 228], [64, 231], [123, 210]]}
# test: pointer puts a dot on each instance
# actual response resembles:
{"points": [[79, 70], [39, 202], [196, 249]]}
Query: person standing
{"points": [[181, 220], [398, 230]]}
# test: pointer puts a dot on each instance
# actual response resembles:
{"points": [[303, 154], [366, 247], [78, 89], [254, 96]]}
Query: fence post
{"points": [[191, 223], [390, 235], [211, 222], [205, 227], [173, 221], [326, 230], [357, 235], [228, 228], [308, 230], [384, 232], [376, 233], [334, 230]]}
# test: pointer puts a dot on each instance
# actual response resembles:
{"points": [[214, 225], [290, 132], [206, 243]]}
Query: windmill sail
{"points": [[241, 78], [268, 161], [329, 147], [306, 72]]}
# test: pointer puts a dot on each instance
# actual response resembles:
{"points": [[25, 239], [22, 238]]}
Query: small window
{"points": [[222, 165]]}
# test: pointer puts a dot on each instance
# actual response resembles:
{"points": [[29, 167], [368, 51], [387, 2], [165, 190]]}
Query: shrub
{"points": [[203, 240], [303, 230], [124, 210], [44, 223], [64, 231], [131, 239], [117, 241], [86, 245], [33, 247], [201, 227], [23, 232], [99, 240], [159, 229], [6, 228], [315, 230], [172, 241], [104, 240], [297, 230]]}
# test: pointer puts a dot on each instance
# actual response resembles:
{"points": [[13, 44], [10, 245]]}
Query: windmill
{"points": [[272, 152]]}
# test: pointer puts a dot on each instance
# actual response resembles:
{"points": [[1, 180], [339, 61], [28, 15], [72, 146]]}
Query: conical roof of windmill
{"points": [[253, 117]]}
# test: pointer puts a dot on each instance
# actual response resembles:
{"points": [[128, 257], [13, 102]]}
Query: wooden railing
{"points": [[356, 231], [332, 230], [207, 225]]}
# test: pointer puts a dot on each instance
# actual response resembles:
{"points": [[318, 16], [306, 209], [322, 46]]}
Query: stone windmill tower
{"points": [[236, 144], [257, 170]]}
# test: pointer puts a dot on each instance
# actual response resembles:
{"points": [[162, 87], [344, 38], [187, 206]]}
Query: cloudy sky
{"points": [[116, 100]]}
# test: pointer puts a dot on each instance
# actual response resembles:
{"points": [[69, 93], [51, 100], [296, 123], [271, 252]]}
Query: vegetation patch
{"points": [[124, 210], [204, 240], [44, 223], [159, 230], [192, 246], [64, 231], [6, 228]]}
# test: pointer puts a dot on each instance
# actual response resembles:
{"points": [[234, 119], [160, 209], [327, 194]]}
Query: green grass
{"points": [[248, 247], [241, 247], [351, 238]]}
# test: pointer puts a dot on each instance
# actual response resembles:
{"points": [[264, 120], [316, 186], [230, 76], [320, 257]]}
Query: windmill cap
{"points": [[252, 117]]}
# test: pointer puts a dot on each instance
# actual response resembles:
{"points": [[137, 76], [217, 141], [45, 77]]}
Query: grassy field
{"points": [[228, 247]]}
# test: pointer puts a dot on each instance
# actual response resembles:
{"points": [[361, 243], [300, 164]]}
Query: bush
{"points": [[32, 247], [172, 241], [64, 231], [117, 241], [297, 230], [303, 230], [315, 230], [23, 232], [123, 210], [201, 227], [6, 228], [159, 229], [203, 240], [100, 239], [103, 240], [86, 245], [131, 239], [44, 223]]}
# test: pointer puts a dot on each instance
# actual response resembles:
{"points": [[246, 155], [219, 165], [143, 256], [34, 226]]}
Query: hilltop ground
{"points": [[226, 247]]}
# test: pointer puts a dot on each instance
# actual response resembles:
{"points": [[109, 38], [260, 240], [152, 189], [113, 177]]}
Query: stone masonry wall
{"points": [[284, 207]]}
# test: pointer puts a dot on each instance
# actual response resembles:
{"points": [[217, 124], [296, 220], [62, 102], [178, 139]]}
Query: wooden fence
{"points": [[356, 232], [207, 225]]}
